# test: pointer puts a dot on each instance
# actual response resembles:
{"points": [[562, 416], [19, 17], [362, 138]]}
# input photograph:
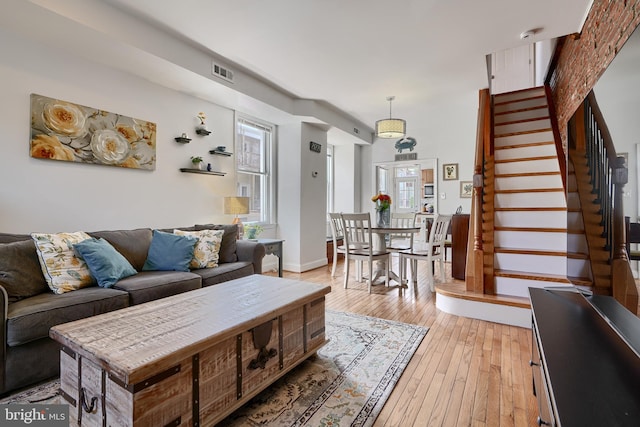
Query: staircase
{"points": [[531, 247]]}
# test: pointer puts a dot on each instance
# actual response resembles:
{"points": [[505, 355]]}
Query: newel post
{"points": [[478, 252]]}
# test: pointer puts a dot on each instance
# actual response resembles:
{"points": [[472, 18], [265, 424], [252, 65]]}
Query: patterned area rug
{"points": [[346, 384]]}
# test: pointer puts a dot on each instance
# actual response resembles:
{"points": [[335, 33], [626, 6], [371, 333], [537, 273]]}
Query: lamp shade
{"points": [[236, 205], [391, 128]]}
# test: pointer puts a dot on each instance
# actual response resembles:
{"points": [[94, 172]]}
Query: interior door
{"points": [[513, 69]]}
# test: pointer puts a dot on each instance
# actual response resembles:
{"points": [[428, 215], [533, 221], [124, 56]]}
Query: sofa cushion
{"points": [[10, 238], [228, 245], [224, 272], [206, 251], [132, 244], [62, 269], [30, 319], [151, 285], [106, 264], [20, 273], [169, 252]]}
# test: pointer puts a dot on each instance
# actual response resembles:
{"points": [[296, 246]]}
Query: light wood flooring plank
{"points": [[464, 373]]}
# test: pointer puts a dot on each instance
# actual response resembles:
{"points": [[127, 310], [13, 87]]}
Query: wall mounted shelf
{"points": [[189, 170], [204, 132], [182, 140], [220, 153]]}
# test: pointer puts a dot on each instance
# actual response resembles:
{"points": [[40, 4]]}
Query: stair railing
{"points": [[475, 280], [608, 175]]}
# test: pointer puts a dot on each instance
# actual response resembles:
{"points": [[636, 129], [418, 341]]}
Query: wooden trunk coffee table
{"points": [[189, 359]]}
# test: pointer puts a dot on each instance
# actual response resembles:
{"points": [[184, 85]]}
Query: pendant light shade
{"points": [[391, 128]]}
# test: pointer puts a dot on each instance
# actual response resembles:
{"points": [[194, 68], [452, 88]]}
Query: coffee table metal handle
{"points": [[88, 408]]}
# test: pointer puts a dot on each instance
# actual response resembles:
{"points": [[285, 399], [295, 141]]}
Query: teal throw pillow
{"points": [[170, 252], [105, 263]]}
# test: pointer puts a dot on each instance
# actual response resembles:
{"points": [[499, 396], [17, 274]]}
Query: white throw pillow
{"points": [[62, 269], [206, 251]]}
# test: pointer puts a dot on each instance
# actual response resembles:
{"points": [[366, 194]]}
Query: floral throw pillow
{"points": [[62, 269], [206, 252]]}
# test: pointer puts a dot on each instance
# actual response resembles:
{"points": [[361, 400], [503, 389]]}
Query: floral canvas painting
{"points": [[61, 130]]}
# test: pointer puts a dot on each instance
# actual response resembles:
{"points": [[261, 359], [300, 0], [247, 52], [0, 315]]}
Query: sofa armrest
{"points": [[251, 251], [4, 308]]}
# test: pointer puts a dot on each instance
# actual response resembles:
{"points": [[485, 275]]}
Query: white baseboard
{"points": [[505, 314]]}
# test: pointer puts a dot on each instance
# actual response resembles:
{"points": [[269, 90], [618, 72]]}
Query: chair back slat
{"points": [[357, 231], [337, 232], [438, 233]]}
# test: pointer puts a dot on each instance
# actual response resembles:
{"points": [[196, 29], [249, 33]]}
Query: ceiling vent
{"points": [[222, 72]]}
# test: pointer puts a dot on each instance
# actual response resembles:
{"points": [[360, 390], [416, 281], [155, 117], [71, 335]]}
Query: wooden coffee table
{"points": [[192, 358]]}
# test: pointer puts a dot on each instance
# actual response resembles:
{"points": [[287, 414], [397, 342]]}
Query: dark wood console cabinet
{"points": [[459, 237], [585, 359]]}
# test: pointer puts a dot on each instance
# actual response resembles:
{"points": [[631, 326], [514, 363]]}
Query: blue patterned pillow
{"points": [[105, 263], [169, 252]]}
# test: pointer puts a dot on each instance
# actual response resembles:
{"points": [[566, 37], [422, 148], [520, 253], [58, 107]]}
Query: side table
{"points": [[273, 247]]}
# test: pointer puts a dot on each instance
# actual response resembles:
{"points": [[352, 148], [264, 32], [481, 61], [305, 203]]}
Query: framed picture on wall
{"points": [[466, 189], [450, 171]]}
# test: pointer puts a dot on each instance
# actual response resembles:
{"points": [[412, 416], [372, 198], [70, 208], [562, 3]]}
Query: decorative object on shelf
{"points": [[237, 205], [201, 129], [252, 231], [391, 128], [450, 172], [183, 139], [197, 162], [221, 148], [406, 143], [383, 209], [466, 189], [209, 167], [62, 130], [220, 153]]}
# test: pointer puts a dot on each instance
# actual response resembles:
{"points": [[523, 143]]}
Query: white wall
{"points": [[50, 195]]}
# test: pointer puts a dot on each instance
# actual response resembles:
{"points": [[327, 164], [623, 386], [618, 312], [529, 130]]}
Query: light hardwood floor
{"points": [[466, 372]]}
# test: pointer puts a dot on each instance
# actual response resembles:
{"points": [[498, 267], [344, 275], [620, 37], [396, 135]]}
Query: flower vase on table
{"points": [[383, 209]]}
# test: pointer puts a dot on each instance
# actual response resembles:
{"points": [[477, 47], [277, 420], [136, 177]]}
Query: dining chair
{"points": [[431, 251], [359, 246], [401, 241], [337, 233]]}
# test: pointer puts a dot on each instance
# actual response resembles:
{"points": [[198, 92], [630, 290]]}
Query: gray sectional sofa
{"points": [[30, 308]]}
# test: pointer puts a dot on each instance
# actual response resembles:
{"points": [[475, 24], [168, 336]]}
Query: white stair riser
{"points": [[535, 240], [522, 126], [520, 287], [526, 152], [538, 219], [525, 138], [578, 268], [550, 165], [528, 182], [519, 105], [574, 221], [528, 200], [577, 243], [521, 115], [522, 94], [545, 264]]}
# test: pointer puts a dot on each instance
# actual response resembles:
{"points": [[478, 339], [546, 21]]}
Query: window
{"points": [[253, 167], [406, 187]]}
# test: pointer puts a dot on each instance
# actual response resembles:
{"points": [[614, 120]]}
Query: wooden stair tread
{"points": [[526, 159], [524, 251], [520, 110], [532, 229], [527, 144], [530, 190], [512, 101], [532, 208], [521, 132], [515, 122], [531, 276], [517, 175], [581, 281], [458, 290], [577, 255]]}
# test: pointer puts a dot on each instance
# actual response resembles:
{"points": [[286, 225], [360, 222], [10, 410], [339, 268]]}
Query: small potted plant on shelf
{"points": [[252, 231], [197, 162]]}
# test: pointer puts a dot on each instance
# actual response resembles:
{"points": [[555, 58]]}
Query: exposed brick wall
{"points": [[583, 60]]}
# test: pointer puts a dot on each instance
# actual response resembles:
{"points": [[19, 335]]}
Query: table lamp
{"points": [[237, 205]]}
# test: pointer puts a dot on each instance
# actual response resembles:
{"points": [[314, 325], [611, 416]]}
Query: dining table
{"points": [[382, 232]]}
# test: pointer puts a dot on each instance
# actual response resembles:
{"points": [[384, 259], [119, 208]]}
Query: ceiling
{"points": [[349, 54], [353, 54]]}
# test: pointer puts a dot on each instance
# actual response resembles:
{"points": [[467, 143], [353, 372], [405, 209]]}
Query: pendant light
{"points": [[391, 128]]}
